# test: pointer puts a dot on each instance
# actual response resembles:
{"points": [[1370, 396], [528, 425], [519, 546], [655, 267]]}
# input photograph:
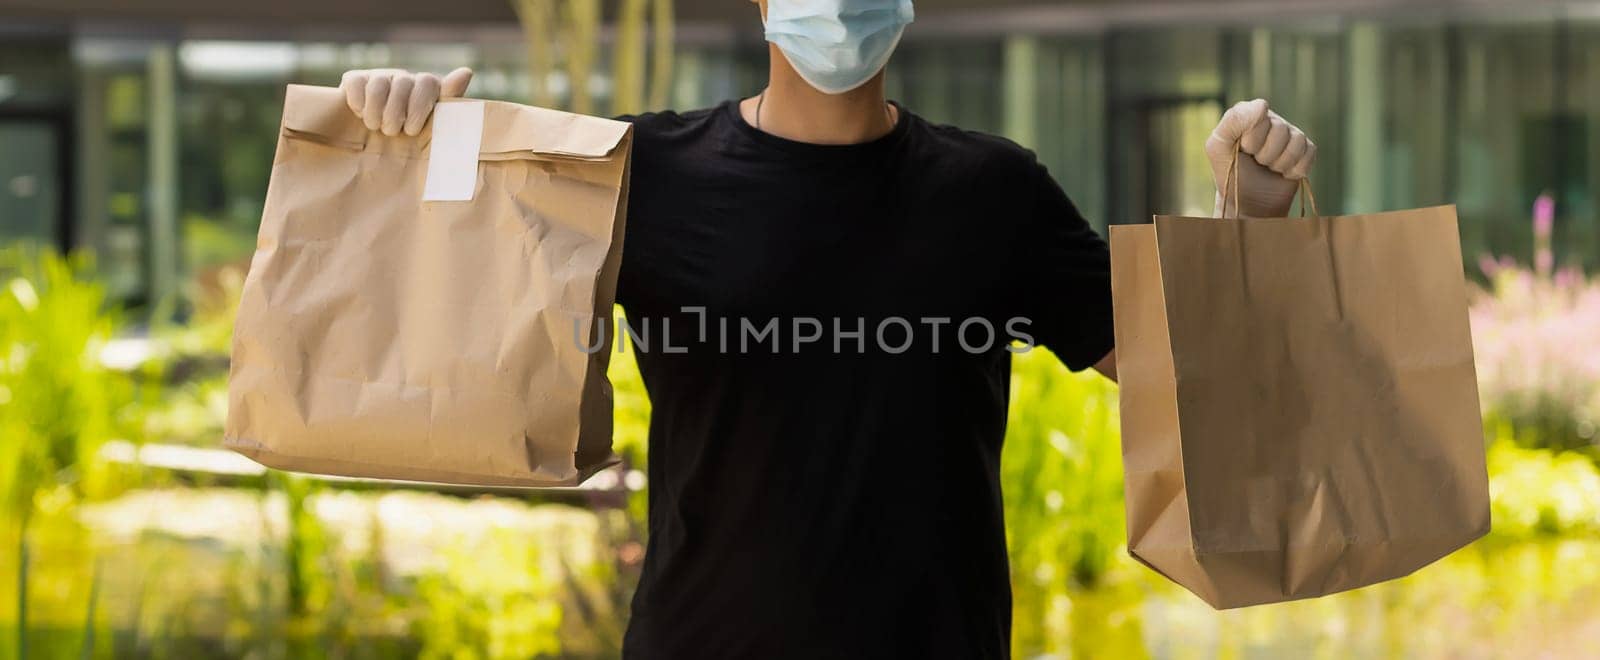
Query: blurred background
{"points": [[136, 142]]}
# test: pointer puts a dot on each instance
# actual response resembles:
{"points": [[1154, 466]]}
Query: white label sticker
{"points": [[453, 163]]}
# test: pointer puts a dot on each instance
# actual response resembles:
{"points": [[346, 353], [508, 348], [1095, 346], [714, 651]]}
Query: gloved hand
{"points": [[395, 100], [1274, 156]]}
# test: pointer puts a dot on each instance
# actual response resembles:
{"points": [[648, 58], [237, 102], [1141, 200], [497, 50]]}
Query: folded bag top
{"points": [[509, 129], [381, 335]]}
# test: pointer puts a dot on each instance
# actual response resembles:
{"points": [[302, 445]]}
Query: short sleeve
{"points": [[1065, 276]]}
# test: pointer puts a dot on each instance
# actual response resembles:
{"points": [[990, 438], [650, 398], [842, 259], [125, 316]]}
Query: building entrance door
{"points": [[33, 186], [1169, 174]]}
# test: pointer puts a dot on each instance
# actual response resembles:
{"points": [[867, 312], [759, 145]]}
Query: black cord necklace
{"points": [[761, 100]]}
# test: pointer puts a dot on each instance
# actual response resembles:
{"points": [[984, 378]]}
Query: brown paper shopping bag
{"points": [[433, 308], [1299, 403]]}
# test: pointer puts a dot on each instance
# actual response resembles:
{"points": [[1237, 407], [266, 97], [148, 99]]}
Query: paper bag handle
{"points": [[1230, 189]]}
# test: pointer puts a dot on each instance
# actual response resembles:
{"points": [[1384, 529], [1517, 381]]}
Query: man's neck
{"points": [[792, 109]]}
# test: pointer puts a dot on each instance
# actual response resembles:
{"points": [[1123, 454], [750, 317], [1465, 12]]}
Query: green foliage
{"points": [[1062, 475], [493, 600], [1539, 493], [207, 332], [58, 403], [209, 242], [48, 582], [631, 425], [566, 33], [631, 430], [194, 406], [1062, 470], [190, 412], [305, 548]]}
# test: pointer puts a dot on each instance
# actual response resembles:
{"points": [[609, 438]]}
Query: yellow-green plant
{"points": [[631, 419], [537, 18], [193, 354], [306, 548], [1541, 493], [627, 58], [1061, 472], [492, 600], [569, 31], [58, 402], [661, 55], [58, 405], [580, 36]]}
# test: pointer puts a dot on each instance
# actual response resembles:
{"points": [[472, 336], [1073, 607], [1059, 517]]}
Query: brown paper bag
{"points": [[381, 335], [1299, 403]]}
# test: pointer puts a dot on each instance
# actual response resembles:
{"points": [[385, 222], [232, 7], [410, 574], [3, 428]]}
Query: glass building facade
{"points": [[155, 151]]}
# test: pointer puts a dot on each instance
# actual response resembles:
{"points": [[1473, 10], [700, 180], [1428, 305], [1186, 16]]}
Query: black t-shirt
{"points": [[828, 361]]}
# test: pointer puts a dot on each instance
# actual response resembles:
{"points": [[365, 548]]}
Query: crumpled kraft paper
{"points": [[1299, 401], [384, 336]]}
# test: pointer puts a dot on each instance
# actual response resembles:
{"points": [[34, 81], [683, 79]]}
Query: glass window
{"points": [[1301, 70], [119, 138], [1165, 93], [30, 183], [953, 82], [1577, 236], [35, 133], [1070, 124], [1513, 137]]}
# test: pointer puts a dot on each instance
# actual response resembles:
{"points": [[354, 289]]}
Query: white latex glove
{"points": [[395, 100], [1274, 157]]}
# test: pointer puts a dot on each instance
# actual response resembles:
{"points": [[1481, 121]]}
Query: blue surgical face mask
{"points": [[837, 45]]}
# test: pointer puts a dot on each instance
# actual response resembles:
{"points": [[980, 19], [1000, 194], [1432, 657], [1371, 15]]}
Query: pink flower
{"points": [[1544, 220], [1536, 344], [1534, 334], [1569, 278], [1544, 216], [1488, 265]]}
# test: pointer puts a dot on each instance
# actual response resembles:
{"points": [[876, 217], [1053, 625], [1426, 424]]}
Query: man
{"points": [[843, 280]]}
